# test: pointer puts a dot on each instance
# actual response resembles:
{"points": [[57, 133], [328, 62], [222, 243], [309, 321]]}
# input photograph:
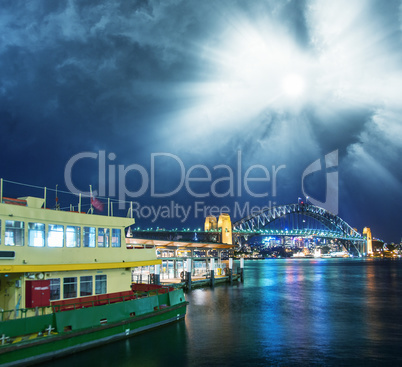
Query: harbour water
{"points": [[287, 312]]}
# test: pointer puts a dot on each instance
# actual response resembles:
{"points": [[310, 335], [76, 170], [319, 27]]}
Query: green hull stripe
{"points": [[59, 345], [88, 327]]}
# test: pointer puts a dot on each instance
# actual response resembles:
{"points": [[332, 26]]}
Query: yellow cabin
{"points": [[51, 255]]}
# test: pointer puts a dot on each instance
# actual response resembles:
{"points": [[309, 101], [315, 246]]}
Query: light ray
{"points": [[259, 66]]}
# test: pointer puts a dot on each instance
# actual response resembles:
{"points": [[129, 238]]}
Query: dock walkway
{"points": [[198, 282]]}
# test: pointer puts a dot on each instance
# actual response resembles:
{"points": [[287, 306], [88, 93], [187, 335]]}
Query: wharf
{"points": [[199, 282]]}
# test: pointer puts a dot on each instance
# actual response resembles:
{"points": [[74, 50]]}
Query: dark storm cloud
{"points": [[75, 57], [76, 76], [187, 77]]}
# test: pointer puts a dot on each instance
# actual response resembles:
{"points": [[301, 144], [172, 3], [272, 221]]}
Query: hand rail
{"points": [[91, 302], [23, 311]]}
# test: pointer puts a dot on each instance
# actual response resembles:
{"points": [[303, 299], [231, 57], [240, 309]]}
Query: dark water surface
{"points": [[287, 312]]}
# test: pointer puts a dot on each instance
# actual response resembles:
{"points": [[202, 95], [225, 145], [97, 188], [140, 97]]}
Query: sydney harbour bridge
{"points": [[311, 225]]}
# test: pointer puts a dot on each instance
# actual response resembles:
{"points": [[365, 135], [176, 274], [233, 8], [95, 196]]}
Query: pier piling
{"points": [[242, 269], [157, 274], [188, 277], [231, 270], [212, 268]]}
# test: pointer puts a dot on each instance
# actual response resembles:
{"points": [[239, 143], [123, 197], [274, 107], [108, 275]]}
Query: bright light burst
{"points": [[257, 67], [293, 85], [253, 70]]}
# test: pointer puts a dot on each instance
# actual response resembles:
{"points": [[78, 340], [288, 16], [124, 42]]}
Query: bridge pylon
{"points": [[369, 245], [224, 224], [210, 223]]}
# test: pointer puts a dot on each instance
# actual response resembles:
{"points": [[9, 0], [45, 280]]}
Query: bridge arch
{"points": [[258, 221]]}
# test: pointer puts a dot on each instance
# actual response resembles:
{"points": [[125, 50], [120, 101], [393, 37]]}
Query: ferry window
{"points": [[100, 284], [103, 237], [85, 286], [55, 235], [73, 236], [36, 234], [89, 236], [116, 237], [14, 233], [70, 287], [54, 289]]}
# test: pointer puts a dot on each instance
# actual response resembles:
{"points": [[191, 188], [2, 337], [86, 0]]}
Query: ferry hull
{"points": [[49, 347]]}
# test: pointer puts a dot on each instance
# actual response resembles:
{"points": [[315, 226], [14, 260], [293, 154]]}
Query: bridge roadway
{"points": [[260, 224], [197, 236]]}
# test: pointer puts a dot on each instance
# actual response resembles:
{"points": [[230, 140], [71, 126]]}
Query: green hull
{"points": [[124, 319]]}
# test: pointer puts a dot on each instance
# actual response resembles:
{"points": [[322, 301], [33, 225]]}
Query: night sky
{"points": [[215, 90]]}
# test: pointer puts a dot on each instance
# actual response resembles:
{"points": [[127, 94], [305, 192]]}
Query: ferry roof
{"points": [[159, 243], [31, 258]]}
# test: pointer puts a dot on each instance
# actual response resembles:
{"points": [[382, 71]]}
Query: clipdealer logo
{"points": [[199, 181], [331, 202]]}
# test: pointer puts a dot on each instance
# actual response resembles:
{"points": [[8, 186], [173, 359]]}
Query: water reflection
{"points": [[287, 312]]}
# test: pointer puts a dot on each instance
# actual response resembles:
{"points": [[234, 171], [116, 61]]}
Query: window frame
{"points": [[100, 282], [52, 286], [118, 236], [76, 234], [86, 282], [68, 284], [88, 235], [56, 234], [14, 230], [30, 230], [104, 235]]}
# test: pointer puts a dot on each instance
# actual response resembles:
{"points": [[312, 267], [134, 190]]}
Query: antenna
{"points": [[91, 209], [57, 206]]}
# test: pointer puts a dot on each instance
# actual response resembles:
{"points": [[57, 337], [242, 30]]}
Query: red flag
{"points": [[97, 204]]}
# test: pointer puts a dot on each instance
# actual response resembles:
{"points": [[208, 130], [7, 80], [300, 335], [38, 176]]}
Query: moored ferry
{"points": [[66, 282], [339, 254]]}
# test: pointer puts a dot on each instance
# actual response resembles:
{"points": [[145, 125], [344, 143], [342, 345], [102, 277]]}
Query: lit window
{"points": [[103, 237], [89, 236], [100, 284], [14, 233], [36, 234], [70, 287], [73, 236], [116, 237], [85, 286], [54, 289], [55, 235]]}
